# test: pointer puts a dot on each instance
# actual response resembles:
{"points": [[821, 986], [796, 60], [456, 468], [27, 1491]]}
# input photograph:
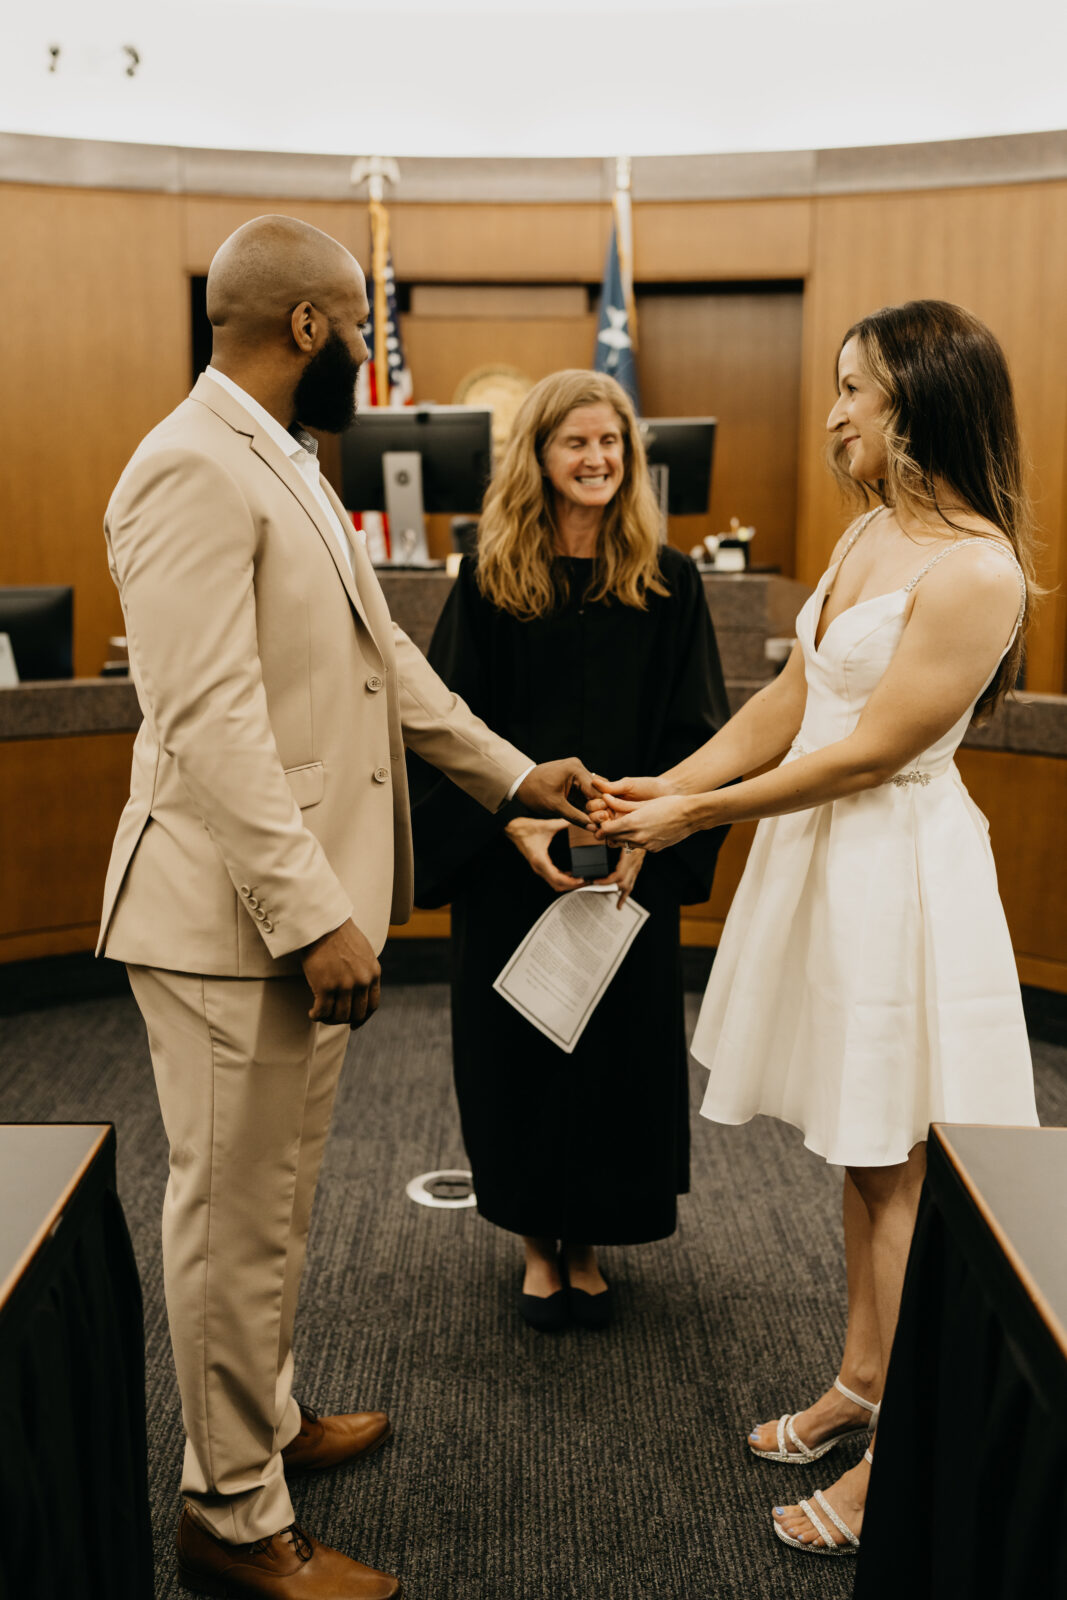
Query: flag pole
{"points": [[376, 172], [624, 235]]}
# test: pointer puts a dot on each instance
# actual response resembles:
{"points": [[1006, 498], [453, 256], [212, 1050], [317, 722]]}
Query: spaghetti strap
{"points": [[863, 522], [1009, 555]]}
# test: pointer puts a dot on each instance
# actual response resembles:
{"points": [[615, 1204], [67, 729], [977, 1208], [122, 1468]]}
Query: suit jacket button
{"points": [[261, 915], [374, 684], [268, 927], [244, 889], [381, 774]]}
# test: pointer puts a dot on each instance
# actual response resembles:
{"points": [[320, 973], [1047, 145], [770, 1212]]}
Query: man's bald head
{"points": [[268, 267]]}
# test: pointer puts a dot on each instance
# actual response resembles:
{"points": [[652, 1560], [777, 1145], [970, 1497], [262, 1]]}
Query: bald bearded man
{"points": [[262, 854]]}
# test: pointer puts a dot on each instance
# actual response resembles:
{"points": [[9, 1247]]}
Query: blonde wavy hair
{"points": [[951, 435], [518, 567]]}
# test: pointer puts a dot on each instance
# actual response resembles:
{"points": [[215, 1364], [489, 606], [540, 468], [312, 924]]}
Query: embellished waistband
{"points": [[902, 780]]}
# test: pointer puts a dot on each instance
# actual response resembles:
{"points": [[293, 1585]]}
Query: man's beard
{"points": [[326, 394]]}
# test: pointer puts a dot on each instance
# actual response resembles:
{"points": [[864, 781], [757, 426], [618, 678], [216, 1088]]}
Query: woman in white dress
{"points": [[865, 984]]}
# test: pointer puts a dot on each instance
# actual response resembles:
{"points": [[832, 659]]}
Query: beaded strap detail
{"points": [[864, 520], [991, 544]]}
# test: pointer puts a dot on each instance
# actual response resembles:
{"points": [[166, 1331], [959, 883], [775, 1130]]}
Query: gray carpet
{"points": [[525, 1467]]}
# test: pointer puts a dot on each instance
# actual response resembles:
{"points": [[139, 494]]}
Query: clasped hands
{"points": [[640, 813], [341, 967]]}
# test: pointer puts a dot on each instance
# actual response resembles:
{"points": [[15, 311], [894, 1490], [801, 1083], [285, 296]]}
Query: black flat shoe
{"points": [[546, 1313], [590, 1310]]}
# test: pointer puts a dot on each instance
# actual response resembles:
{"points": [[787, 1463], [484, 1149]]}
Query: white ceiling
{"points": [[499, 78]]}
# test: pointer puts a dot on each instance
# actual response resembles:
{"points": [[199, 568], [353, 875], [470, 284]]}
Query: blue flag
{"points": [[614, 352]]}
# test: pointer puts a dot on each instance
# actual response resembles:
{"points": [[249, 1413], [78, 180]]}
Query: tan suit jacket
{"points": [[268, 797]]}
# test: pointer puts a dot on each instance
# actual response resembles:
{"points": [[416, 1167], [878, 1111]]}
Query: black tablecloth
{"points": [[968, 1493], [73, 1452]]}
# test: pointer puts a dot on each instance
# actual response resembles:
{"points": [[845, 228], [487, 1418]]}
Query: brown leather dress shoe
{"points": [[328, 1441], [290, 1566]]}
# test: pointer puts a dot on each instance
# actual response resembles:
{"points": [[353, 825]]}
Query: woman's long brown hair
{"points": [[950, 430]]}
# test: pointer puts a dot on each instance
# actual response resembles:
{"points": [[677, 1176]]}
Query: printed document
{"points": [[559, 972]]}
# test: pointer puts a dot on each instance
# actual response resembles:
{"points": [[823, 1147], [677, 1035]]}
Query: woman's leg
{"points": [[582, 1269], [861, 1363], [890, 1196], [542, 1267]]}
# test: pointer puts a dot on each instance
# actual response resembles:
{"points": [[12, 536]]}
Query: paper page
{"points": [[559, 972]]}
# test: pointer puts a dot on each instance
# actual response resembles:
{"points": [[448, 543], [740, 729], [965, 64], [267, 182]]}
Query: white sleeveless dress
{"points": [[865, 985]]}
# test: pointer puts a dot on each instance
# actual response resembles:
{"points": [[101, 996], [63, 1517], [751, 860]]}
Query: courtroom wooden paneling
{"points": [[209, 219], [999, 251], [702, 240], [60, 800], [735, 355], [110, 355], [443, 350], [1024, 799], [96, 350], [499, 244]]}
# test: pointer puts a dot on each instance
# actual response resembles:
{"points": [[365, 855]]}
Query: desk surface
{"points": [[41, 1164], [1017, 1178]]}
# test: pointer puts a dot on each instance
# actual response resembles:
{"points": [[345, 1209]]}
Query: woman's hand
{"points": [[532, 837], [626, 789], [652, 824], [625, 875]]}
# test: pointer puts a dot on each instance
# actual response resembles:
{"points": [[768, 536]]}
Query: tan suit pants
{"points": [[246, 1086]]}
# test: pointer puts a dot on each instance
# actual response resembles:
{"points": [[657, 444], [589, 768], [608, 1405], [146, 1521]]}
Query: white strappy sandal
{"points": [[828, 1545], [801, 1455]]}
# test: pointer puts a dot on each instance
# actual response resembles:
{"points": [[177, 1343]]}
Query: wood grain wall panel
{"points": [[96, 350], [208, 219], [442, 351], [499, 244], [60, 800], [999, 251], [735, 356], [1025, 801], [705, 240]]}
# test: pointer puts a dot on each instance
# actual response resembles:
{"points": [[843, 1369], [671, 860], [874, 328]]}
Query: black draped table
{"points": [[73, 1453], [968, 1493]]}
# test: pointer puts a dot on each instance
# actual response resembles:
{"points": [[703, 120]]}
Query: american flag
{"points": [[384, 378]]}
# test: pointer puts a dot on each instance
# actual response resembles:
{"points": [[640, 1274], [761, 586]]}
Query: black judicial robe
{"points": [[593, 1146]]}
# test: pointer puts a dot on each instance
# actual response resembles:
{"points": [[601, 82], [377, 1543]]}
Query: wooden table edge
{"points": [[54, 1215], [941, 1133]]}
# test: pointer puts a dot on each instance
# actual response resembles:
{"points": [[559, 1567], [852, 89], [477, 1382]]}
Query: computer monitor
{"points": [[685, 446], [40, 625], [455, 444]]}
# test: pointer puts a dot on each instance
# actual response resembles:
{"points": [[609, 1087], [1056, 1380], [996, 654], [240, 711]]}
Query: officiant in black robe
{"points": [[593, 1145], [572, 629]]}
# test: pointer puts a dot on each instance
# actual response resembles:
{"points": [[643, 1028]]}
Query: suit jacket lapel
{"points": [[232, 412]]}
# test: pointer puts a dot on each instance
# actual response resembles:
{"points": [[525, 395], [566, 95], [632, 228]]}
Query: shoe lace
{"points": [[307, 1413], [300, 1541]]}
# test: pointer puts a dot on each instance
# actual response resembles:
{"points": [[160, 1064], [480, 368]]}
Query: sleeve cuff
{"points": [[519, 781]]}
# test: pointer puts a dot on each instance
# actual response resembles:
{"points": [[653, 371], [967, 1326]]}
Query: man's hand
{"points": [[345, 978], [625, 875], [546, 788], [532, 837]]}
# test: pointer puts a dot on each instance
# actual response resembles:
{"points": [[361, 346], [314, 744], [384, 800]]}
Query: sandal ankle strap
{"points": [[873, 1406]]}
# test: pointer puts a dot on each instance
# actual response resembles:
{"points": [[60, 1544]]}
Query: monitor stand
{"points": [[402, 475], [660, 473]]}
